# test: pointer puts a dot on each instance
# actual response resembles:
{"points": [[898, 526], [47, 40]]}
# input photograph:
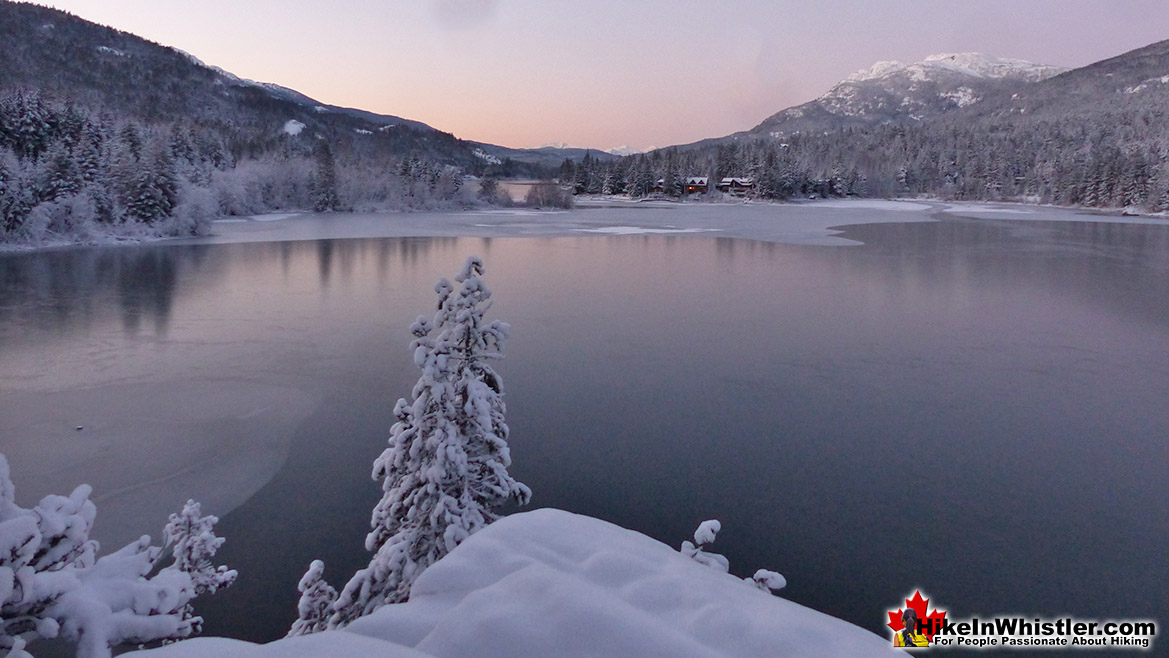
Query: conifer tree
{"points": [[194, 544], [325, 180], [316, 601], [445, 471]]}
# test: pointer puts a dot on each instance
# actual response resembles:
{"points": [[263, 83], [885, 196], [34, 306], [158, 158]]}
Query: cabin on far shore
{"points": [[736, 186], [697, 185]]}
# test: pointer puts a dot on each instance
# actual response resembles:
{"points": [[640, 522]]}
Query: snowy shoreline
{"points": [[818, 222], [806, 222]]}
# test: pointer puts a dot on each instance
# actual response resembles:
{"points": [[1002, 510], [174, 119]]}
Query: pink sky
{"points": [[608, 73]]}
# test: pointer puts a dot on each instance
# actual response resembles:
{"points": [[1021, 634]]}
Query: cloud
{"points": [[463, 14]]}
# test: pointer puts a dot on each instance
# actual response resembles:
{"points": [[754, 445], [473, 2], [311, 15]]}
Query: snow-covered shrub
{"points": [[193, 214], [52, 584], [445, 471], [35, 225], [73, 216], [548, 195], [704, 536], [768, 581]]}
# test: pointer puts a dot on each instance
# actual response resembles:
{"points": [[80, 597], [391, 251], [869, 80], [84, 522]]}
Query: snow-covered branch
{"points": [[52, 584]]}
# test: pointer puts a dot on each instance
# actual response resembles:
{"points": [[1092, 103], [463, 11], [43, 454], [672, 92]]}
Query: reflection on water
{"points": [[62, 291], [972, 408]]}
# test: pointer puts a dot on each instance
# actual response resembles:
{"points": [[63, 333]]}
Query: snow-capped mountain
{"points": [[626, 150], [892, 91]]}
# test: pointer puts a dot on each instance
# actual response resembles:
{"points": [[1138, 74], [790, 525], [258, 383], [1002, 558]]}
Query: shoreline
{"points": [[808, 225]]}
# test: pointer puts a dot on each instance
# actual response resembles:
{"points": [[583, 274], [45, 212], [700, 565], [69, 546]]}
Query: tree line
{"points": [[68, 171]]}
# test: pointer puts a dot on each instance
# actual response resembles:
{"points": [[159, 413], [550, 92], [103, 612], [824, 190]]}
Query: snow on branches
{"points": [[194, 544], [704, 536], [444, 473], [316, 601], [53, 584]]}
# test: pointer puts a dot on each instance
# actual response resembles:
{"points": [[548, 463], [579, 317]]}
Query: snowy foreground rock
{"points": [[550, 583]]}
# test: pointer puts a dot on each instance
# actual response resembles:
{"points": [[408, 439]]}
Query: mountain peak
{"points": [[876, 71], [973, 65], [892, 91]]}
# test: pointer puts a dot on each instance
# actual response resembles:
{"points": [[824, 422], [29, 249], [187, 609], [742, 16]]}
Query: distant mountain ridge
{"points": [[890, 92], [111, 71]]}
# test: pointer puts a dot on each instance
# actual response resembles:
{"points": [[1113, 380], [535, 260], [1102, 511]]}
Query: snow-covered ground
{"points": [[550, 583]]}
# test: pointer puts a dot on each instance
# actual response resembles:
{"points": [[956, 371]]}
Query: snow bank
{"points": [[551, 583]]}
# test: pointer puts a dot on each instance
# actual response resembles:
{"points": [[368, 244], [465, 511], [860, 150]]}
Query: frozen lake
{"points": [[965, 402]]}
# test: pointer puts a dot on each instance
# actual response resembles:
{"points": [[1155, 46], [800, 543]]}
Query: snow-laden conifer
{"points": [[445, 471], [317, 598], [194, 543]]}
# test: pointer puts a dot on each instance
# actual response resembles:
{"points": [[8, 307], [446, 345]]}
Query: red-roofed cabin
{"points": [[697, 185]]}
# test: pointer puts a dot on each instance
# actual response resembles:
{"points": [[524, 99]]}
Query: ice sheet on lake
{"points": [[796, 223], [145, 449], [869, 204], [984, 208], [1023, 212], [806, 222], [638, 230], [273, 216]]}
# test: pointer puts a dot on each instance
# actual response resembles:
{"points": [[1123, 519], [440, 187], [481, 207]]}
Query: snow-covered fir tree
{"points": [[193, 543], [54, 585], [317, 598], [445, 471]]}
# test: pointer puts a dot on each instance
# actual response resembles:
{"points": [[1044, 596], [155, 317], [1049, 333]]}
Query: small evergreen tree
{"points": [[194, 543], [489, 189], [445, 471], [317, 598], [325, 179]]}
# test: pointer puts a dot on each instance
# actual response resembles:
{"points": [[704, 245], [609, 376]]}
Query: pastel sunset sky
{"points": [[608, 73]]}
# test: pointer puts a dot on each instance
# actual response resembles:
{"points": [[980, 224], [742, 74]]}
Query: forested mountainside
{"points": [[119, 75], [101, 129], [1097, 136]]}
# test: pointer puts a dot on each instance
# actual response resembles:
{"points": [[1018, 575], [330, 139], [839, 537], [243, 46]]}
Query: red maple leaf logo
{"points": [[930, 623]]}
